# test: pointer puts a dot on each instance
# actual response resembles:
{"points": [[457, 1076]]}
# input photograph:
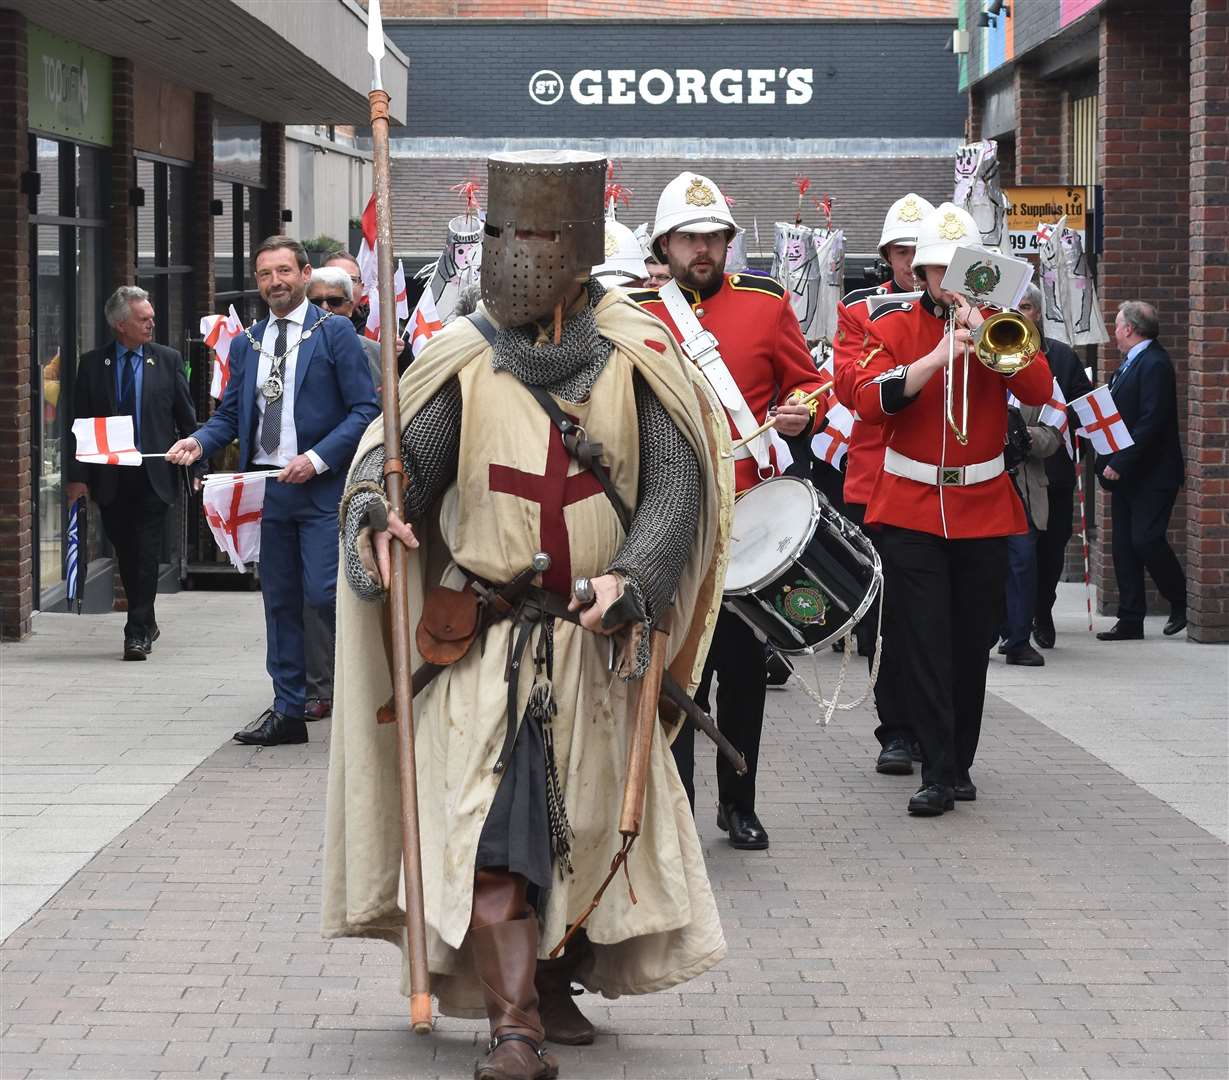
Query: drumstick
{"points": [[806, 399]]}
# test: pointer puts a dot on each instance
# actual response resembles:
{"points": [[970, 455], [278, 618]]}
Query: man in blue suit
{"points": [[1144, 478], [299, 398]]}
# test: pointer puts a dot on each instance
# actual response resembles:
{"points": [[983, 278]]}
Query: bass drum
{"points": [[800, 575]]}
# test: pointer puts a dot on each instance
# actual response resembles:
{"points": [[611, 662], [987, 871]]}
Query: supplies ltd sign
{"points": [[680, 86]]}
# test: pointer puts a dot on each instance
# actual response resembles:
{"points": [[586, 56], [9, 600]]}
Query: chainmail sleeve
{"points": [[430, 445], [663, 527]]}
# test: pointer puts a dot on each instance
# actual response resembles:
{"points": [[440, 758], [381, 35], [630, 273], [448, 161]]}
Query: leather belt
{"points": [[897, 464]]}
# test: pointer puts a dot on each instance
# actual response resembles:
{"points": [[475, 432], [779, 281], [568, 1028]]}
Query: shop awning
{"points": [[294, 63]]}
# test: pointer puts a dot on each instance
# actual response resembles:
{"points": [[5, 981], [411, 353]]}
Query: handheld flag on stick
{"points": [[1102, 422], [233, 509], [219, 331], [832, 443], [107, 440]]}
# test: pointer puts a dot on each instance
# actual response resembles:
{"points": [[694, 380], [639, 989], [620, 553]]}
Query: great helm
{"points": [[692, 203], [941, 232], [543, 230], [901, 223], [624, 263]]}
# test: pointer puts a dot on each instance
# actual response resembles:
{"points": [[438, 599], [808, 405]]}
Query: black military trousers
{"points": [[133, 522], [889, 700], [947, 600], [1052, 546], [736, 658], [1140, 520]]}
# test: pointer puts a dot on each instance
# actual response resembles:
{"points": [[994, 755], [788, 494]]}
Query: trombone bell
{"points": [[1007, 342]]}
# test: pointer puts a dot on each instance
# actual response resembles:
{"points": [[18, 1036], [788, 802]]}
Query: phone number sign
{"points": [[1032, 205]]}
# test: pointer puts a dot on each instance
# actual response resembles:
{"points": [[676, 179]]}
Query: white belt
{"points": [[941, 475]]}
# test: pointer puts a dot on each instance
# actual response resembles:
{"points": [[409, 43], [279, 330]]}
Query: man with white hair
{"points": [[132, 376], [332, 288]]}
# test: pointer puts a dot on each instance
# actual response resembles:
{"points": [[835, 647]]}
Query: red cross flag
{"points": [[219, 331], [1102, 422], [106, 440], [234, 505], [831, 444], [401, 292], [425, 323], [1053, 414], [366, 258]]}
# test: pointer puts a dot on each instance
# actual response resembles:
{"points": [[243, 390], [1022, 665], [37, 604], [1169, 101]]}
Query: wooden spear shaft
{"points": [[398, 584]]}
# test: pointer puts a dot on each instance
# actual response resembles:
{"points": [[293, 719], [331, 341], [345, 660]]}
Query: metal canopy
{"points": [[293, 63]]}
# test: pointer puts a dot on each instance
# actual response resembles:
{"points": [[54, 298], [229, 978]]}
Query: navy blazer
{"points": [[1147, 399], [334, 401], [166, 412]]}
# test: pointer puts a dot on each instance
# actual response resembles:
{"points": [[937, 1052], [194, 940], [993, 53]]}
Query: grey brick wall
{"points": [[472, 79]]}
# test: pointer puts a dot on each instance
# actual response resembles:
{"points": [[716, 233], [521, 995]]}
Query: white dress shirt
{"points": [[289, 446]]}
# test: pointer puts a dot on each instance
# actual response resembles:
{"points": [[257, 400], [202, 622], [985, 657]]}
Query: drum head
{"points": [[773, 522]]}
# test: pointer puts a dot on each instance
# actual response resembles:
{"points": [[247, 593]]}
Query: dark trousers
{"points": [[298, 566], [319, 644], [1021, 594], [947, 598], [133, 522], [1139, 521], [893, 717], [736, 658], [1052, 547]]}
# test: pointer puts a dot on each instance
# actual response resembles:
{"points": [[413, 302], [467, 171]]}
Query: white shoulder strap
{"points": [[701, 348]]}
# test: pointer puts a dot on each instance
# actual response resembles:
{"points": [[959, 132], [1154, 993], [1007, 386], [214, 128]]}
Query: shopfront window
{"points": [[67, 263], [164, 264]]}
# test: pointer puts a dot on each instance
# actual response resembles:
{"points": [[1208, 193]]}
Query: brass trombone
{"points": [[1006, 342]]}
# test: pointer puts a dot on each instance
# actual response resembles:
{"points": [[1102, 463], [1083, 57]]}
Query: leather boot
{"points": [[563, 1021], [503, 937], [505, 955]]}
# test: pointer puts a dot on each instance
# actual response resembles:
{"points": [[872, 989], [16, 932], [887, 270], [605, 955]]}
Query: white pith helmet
{"points": [[624, 260], [941, 232], [693, 203], [901, 222]]}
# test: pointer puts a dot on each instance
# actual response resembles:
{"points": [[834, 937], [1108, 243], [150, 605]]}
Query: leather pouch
{"points": [[448, 625]]}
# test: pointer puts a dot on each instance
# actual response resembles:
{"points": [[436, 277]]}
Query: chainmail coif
{"points": [[568, 369]]}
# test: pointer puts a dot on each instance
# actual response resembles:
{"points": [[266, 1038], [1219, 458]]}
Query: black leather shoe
{"points": [[779, 668], [895, 758], [136, 648], [1176, 623], [1025, 656], [1123, 631], [746, 832], [965, 790], [931, 800], [154, 634], [273, 729], [1043, 631]]}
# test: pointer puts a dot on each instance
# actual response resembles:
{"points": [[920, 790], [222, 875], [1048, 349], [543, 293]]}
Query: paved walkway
{"points": [[1068, 924]]}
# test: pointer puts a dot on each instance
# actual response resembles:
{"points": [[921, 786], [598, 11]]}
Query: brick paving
{"points": [[1068, 924]]}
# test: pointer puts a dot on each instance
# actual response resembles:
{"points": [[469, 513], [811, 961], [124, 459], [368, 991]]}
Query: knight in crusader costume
{"points": [[522, 743], [459, 265]]}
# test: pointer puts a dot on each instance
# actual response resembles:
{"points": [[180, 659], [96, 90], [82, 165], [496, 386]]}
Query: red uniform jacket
{"points": [[864, 458], [917, 427], [760, 341]]}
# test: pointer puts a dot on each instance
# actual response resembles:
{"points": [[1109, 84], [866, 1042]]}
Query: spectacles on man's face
{"points": [[334, 301]]}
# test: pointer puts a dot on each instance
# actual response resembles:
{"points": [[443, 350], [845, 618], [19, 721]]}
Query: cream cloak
{"points": [[673, 933]]}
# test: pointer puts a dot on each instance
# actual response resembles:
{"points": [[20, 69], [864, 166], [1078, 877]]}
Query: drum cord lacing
{"points": [[816, 695]]}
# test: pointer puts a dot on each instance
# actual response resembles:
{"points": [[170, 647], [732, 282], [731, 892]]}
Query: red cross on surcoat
{"points": [[1103, 423], [552, 491]]}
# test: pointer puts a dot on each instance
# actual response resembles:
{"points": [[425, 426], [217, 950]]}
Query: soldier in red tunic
{"points": [[864, 461], [742, 333], [944, 503]]}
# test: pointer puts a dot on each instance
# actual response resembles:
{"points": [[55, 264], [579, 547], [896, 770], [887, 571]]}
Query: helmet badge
{"points": [[699, 194], [612, 243], [909, 210], [951, 227]]}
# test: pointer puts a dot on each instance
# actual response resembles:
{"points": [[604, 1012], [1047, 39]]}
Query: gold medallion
{"points": [[699, 194]]}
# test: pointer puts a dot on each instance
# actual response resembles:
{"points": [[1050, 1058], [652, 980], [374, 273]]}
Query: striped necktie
{"points": [[271, 432]]}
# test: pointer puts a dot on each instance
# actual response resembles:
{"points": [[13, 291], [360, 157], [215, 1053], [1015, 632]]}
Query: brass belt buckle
{"points": [[951, 475]]}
